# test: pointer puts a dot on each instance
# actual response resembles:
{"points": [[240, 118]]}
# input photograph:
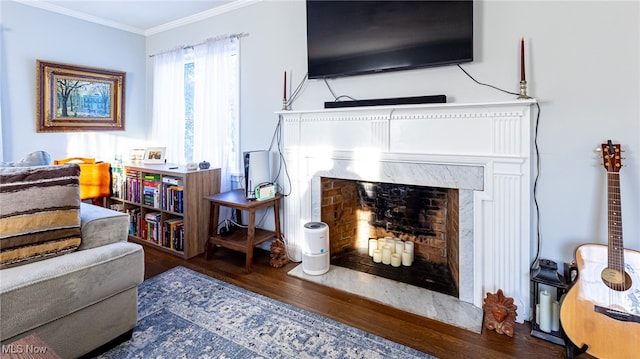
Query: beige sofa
{"points": [[75, 300]]}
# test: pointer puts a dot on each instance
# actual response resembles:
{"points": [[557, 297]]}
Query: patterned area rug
{"points": [[185, 314]]}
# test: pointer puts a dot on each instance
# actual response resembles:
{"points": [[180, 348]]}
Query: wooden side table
{"points": [[243, 239]]}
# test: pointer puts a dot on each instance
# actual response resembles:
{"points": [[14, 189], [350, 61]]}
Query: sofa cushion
{"points": [[102, 226], [40, 213], [42, 292]]}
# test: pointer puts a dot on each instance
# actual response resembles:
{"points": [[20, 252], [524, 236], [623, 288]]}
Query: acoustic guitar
{"points": [[602, 310]]}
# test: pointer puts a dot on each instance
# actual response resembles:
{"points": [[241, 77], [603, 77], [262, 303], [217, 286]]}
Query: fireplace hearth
{"points": [[422, 273]]}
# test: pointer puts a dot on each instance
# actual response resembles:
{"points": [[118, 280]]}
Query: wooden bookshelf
{"points": [[173, 195]]}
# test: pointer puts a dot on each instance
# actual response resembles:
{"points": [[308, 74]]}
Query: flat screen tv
{"points": [[357, 37]]}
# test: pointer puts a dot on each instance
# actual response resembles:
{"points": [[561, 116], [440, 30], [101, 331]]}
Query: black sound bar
{"points": [[388, 101]]}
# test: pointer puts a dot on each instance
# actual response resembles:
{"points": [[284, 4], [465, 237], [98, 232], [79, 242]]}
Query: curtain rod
{"points": [[184, 47]]}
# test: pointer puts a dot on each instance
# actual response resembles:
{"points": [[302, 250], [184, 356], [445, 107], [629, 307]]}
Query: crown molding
{"points": [[237, 4], [80, 15], [234, 5]]}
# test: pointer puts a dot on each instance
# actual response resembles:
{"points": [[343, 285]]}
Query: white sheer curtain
{"points": [[168, 104], [215, 119], [1, 145]]}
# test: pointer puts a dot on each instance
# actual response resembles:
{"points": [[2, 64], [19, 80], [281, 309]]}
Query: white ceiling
{"points": [[143, 17]]}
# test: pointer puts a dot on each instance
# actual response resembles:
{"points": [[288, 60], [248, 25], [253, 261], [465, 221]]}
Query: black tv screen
{"points": [[357, 37]]}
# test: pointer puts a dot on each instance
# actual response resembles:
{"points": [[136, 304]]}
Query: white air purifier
{"points": [[315, 248]]}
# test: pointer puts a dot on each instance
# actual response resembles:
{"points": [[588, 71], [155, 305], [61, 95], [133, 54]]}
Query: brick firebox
{"points": [[428, 216]]}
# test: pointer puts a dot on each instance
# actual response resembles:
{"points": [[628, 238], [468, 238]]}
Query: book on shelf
{"points": [[117, 181], [172, 194], [151, 190], [174, 234], [135, 221], [179, 239], [176, 181], [131, 188], [152, 220], [173, 198]]}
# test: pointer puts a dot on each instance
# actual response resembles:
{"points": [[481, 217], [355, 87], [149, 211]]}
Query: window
{"points": [[196, 105]]}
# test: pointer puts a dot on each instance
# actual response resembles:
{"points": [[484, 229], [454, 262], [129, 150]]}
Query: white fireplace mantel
{"points": [[484, 149]]}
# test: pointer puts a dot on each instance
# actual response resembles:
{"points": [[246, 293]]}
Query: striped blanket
{"points": [[39, 213]]}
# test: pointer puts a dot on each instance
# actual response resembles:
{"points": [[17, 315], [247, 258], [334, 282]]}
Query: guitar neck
{"points": [[616, 246]]}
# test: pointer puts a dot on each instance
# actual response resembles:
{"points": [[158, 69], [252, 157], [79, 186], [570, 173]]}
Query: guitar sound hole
{"points": [[616, 280]]}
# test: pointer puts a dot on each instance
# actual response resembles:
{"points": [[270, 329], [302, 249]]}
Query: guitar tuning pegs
{"points": [[598, 149]]}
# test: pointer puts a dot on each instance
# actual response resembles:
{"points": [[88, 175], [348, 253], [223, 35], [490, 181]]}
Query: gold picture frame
{"points": [[78, 98]]}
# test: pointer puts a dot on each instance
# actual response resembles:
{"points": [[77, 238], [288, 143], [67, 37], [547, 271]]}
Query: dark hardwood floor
{"points": [[429, 336]]}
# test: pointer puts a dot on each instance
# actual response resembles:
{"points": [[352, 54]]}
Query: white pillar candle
{"points": [[377, 255], [373, 245], [395, 260], [555, 316], [386, 255], [545, 311], [381, 243], [406, 258], [399, 246], [408, 246]]}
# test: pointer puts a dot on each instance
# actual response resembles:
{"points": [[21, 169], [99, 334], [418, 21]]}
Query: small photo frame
{"points": [[137, 154], [154, 155]]}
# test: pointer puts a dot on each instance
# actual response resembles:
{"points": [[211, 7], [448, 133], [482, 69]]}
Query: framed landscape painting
{"points": [[77, 98]]}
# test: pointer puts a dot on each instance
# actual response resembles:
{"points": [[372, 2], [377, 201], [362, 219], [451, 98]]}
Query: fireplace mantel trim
{"points": [[493, 136]]}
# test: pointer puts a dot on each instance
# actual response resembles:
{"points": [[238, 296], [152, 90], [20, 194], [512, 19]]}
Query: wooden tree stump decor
{"points": [[278, 254], [499, 313]]}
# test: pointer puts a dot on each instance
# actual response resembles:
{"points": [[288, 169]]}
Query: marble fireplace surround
{"points": [[482, 149]]}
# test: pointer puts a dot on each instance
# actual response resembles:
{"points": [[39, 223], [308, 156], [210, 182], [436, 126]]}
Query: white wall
{"points": [[583, 66], [28, 34], [583, 60]]}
